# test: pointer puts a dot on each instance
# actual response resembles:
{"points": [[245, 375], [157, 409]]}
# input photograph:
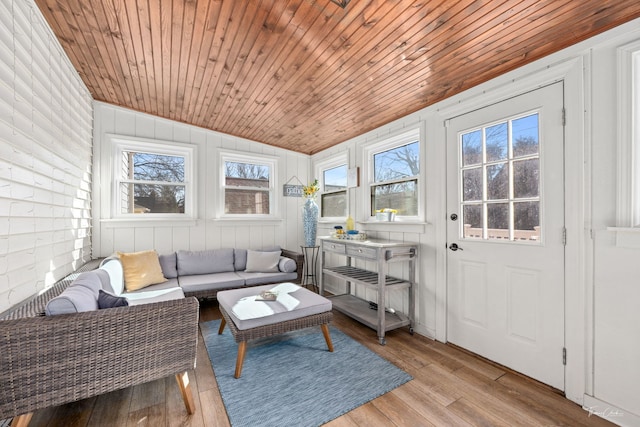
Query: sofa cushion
{"points": [[240, 256], [151, 295], [239, 259], [169, 265], [74, 299], [262, 262], [94, 280], [287, 265], [113, 267], [252, 279], [216, 281], [106, 300], [204, 262], [141, 269]]}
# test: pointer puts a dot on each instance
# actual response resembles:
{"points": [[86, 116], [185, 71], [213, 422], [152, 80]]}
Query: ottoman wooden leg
{"points": [[242, 350], [327, 337], [221, 328]]}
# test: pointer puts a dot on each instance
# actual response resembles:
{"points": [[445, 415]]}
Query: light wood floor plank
{"points": [[438, 415], [148, 416], [148, 394], [369, 415], [213, 412], [112, 408], [476, 415], [564, 411], [400, 412]]}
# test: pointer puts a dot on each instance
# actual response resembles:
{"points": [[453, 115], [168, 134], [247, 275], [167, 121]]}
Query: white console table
{"points": [[382, 253]]}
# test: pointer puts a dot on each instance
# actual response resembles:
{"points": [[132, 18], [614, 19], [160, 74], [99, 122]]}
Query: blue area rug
{"points": [[293, 380]]}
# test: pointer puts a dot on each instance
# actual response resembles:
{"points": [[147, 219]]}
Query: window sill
{"points": [[148, 222], [401, 226], [626, 237], [232, 222]]}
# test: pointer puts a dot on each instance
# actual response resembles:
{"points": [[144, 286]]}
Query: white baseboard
{"points": [[597, 407]]}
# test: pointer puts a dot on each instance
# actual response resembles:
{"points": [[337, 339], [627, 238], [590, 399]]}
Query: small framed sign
{"points": [[291, 190]]}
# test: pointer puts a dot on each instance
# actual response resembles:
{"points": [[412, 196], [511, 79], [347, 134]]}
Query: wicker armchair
{"points": [[52, 360]]}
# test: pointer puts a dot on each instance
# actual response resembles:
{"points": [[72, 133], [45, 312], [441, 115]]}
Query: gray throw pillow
{"points": [[74, 299], [287, 265], [262, 262], [205, 262], [106, 300], [92, 280], [169, 266]]}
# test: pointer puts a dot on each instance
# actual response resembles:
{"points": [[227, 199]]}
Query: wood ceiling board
{"points": [[306, 74]]}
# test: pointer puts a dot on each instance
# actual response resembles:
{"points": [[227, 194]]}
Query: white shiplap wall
{"points": [[45, 157], [205, 232], [601, 285]]}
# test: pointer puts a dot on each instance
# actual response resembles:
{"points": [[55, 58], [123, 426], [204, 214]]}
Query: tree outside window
{"points": [[395, 176], [152, 178], [247, 188], [153, 183], [500, 175]]}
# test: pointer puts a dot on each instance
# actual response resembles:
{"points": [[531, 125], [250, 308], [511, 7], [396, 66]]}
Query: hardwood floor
{"points": [[450, 388]]}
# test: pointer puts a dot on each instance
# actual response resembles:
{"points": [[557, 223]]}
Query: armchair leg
{"points": [[22, 420], [221, 328], [185, 390]]}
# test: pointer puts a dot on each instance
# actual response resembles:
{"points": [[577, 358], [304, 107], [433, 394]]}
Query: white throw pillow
{"points": [[262, 262]]}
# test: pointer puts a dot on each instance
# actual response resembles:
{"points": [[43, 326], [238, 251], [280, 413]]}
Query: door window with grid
{"points": [[500, 180]]}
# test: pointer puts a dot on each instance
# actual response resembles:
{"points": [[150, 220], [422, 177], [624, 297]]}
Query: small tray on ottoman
{"points": [[294, 308]]}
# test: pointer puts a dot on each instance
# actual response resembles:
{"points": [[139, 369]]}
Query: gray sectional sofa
{"points": [[204, 273]]}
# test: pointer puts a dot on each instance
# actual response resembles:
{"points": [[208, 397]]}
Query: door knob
{"points": [[454, 247]]}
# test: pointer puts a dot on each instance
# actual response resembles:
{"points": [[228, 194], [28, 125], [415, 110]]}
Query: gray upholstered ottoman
{"points": [[295, 308]]}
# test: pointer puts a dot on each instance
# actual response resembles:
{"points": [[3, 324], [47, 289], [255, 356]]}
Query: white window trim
{"points": [[121, 143], [323, 165], [417, 133], [628, 206], [253, 158]]}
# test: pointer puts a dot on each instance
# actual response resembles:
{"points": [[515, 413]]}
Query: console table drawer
{"points": [[338, 248], [362, 252]]}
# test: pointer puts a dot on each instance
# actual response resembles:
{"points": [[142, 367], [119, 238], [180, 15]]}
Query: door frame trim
{"points": [[577, 192]]}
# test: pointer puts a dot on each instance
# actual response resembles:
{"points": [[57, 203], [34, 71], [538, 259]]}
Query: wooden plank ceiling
{"points": [[306, 74]]}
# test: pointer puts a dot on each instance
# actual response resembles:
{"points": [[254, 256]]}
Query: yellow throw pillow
{"points": [[141, 269]]}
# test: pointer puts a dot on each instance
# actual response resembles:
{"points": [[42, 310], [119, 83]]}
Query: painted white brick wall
{"points": [[45, 157]]}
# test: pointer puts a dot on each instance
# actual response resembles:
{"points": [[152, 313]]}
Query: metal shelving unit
{"points": [[382, 253]]}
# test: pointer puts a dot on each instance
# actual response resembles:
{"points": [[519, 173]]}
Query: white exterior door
{"points": [[505, 233]]}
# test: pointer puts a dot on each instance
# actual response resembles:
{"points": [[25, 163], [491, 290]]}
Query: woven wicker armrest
{"points": [[52, 360], [298, 258]]}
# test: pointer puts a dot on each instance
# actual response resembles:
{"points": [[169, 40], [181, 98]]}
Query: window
{"points": [[333, 187], [500, 176], [334, 192], [152, 179], [628, 211], [248, 183], [394, 175]]}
